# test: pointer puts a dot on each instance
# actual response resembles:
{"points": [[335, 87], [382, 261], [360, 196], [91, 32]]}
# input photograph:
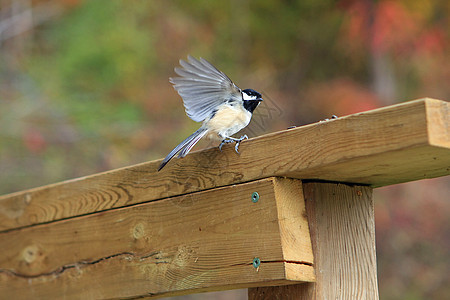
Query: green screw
{"points": [[256, 262], [255, 197]]}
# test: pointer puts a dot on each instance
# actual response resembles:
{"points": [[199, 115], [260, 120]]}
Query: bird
{"points": [[209, 96]]}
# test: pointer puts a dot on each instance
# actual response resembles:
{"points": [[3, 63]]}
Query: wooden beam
{"points": [[399, 143], [341, 220], [199, 242]]}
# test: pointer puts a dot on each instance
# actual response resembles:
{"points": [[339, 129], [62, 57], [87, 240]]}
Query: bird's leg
{"points": [[231, 140]]}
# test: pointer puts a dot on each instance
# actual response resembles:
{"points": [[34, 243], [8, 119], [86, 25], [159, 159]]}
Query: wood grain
{"points": [[400, 143], [199, 242], [341, 220]]}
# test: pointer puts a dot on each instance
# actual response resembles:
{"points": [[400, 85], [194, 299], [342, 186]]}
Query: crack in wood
{"points": [[62, 269], [234, 265], [289, 261], [137, 297], [278, 261]]}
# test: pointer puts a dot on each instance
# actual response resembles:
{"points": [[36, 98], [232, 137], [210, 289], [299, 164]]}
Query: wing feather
{"points": [[203, 87]]}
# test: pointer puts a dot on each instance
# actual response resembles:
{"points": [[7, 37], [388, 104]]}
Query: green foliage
{"points": [[88, 90], [101, 53]]}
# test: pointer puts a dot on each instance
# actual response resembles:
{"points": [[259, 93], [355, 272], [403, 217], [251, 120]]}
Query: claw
{"points": [[238, 142], [230, 140]]}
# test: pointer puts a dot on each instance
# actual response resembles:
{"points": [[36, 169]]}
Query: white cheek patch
{"points": [[248, 97]]}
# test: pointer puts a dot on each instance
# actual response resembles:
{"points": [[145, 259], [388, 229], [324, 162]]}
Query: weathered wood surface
{"points": [[400, 143], [341, 220], [198, 242]]}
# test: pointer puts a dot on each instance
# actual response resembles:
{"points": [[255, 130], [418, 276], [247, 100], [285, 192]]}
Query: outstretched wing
{"points": [[203, 88]]}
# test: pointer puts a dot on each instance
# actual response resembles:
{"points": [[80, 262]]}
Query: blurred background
{"points": [[84, 88]]}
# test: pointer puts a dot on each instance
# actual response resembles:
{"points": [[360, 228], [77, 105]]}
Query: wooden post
{"points": [[341, 222]]}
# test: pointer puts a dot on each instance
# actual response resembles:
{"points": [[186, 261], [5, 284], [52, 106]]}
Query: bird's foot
{"points": [[224, 141], [235, 140]]}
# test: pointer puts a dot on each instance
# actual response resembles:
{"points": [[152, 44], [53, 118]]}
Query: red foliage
{"points": [[34, 140], [342, 97], [388, 26]]}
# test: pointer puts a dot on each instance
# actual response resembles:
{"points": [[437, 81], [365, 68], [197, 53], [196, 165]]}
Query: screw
{"points": [[255, 197], [256, 262]]}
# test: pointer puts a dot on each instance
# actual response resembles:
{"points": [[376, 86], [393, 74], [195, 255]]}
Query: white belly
{"points": [[227, 121]]}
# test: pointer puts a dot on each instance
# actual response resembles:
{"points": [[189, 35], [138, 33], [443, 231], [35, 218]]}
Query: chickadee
{"points": [[209, 96]]}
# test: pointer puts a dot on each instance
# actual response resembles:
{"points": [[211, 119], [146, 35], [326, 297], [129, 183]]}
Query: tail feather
{"points": [[191, 144], [185, 146]]}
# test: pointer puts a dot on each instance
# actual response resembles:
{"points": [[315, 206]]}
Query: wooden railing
{"points": [[291, 217]]}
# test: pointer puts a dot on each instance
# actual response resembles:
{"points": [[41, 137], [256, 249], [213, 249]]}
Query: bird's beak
{"points": [[260, 99]]}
